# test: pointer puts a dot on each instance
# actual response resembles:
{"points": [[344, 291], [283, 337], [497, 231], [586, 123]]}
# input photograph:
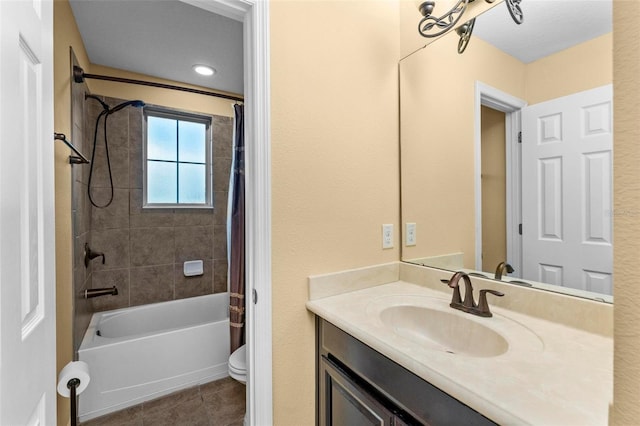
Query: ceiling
{"points": [[549, 26], [166, 38], [163, 39]]}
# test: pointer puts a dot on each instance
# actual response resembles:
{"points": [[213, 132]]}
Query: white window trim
{"points": [[176, 114]]}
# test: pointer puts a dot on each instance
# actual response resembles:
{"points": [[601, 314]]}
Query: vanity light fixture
{"points": [[204, 70], [464, 31], [431, 26]]}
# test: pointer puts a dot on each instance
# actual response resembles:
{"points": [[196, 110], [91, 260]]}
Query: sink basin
{"points": [[428, 325], [444, 331]]}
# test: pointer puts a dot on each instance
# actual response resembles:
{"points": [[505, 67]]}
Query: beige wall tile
{"points": [[119, 159], [149, 218], [220, 269], [193, 217], [193, 286], [116, 214], [152, 246], [151, 284], [107, 279], [114, 243], [193, 243]]}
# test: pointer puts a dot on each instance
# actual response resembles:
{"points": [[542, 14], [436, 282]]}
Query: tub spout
{"points": [[95, 292]]}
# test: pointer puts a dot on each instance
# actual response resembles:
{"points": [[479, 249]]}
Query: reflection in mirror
{"points": [[478, 197]]}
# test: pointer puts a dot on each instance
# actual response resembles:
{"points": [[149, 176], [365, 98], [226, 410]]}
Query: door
{"points": [[27, 272], [567, 191]]}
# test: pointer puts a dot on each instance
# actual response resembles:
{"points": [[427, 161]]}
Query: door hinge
{"points": [[255, 296], [520, 229], [519, 137]]}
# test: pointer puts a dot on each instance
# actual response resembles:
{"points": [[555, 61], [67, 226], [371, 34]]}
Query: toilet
{"points": [[238, 364]]}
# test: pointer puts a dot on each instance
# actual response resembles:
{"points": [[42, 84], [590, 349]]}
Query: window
{"points": [[177, 159]]}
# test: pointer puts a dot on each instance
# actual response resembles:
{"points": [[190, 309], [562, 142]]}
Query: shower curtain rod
{"points": [[79, 76]]}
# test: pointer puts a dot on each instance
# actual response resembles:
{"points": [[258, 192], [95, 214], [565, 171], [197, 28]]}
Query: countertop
{"points": [[552, 374]]}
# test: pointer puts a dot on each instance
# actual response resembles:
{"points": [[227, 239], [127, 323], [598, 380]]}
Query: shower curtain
{"points": [[235, 225]]}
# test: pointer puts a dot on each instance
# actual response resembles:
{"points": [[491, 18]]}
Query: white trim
{"points": [[258, 216], [232, 9], [255, 15], [501, 101], [513, 216]]}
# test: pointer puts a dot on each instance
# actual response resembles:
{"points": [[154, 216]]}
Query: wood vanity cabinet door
{"points": [[343, 402]]}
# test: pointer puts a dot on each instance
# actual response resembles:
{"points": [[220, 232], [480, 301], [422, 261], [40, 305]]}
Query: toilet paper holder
{"points": [[72, 381], [72, 385]]}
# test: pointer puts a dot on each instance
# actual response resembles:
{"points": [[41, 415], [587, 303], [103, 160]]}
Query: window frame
{"points": [[180, 115]]}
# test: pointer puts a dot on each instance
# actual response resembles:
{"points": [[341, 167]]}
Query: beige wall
{"points": [[438, 164], [626, 223], [437, 130], [334, 109], [578, 68]]}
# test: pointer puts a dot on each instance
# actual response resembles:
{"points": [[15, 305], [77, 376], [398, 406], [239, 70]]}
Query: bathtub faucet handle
{"points": [[90, 255]]}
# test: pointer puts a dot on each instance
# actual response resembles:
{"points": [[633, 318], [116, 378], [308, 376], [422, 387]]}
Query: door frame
{"points": [[255, 16], [511, 106]]}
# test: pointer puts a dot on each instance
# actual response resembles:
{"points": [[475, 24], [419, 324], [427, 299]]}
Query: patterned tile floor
{"points": [[219, 403]]}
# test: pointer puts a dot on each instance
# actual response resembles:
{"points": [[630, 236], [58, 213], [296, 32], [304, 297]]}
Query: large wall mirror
{"points": [[506, 149]]}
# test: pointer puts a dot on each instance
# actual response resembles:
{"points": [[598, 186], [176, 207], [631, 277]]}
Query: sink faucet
{"points": [[502, 268], [468, 304], [456, 301]]}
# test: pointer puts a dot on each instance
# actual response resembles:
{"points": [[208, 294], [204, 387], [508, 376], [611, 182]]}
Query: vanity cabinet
{"points": [[357, 385], [348, 402]]}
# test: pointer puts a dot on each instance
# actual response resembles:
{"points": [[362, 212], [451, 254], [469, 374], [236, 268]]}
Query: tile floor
{"points": [[219, 403]]}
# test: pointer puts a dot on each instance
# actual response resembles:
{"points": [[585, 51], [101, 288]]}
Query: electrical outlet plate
{"points": [[410, 234], [387, 236]]}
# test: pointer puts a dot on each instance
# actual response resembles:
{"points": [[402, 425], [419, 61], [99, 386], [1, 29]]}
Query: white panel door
{"points": [[27, 272], [567, 191]]}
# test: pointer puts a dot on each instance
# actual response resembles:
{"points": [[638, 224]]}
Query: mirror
{"points": [[469, 188]]}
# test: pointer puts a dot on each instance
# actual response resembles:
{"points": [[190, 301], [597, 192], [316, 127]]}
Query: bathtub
{"points": [[140, 353]]}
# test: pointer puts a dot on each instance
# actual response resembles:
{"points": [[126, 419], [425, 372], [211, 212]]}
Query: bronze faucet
{"points": [[468, 304], [95, 292], [90, 255], [502, 268]]}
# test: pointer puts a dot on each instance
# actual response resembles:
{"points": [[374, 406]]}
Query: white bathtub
{"points": [[140, 353]]}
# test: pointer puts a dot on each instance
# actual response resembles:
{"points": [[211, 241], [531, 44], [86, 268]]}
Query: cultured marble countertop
{"points": [[552, 374]]}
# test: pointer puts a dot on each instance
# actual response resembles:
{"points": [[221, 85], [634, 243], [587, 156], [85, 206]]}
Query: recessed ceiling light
{"points": [[204, 69]]}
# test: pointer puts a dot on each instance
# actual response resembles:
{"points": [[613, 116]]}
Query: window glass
{"points": [[162, 182], [161, 139], [191, 176], [178, 159], [192, 147]]}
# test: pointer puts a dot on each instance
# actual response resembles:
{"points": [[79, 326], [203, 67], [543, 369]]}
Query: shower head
{"points": [[136, 103]]}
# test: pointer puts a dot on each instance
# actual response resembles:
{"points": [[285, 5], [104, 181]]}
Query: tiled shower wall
{"points": [[81, 214], [144, 249]]}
